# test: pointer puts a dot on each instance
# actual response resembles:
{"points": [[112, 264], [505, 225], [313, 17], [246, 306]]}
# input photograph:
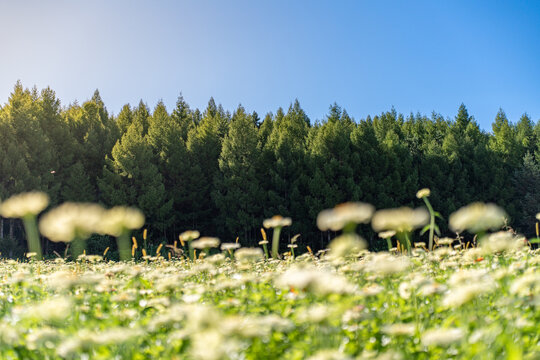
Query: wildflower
{"points": [[9, 336], [229, 246], [465, 293], [402, 219], [49, 311], [442, 337], [189, 235], [477, 217], [399, 329], [343, 214], [526, 285], [386, 264], [422, 193], [445, 241], [387, 234], [346, 245], [277, 221], [313, 280], [71, 221], [314, 314], [43, 337], [205, 243], [120, 219], [24, 205], [248, 254], [500, 241]]}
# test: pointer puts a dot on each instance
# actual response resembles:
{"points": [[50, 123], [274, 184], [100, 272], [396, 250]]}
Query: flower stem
{"points": [[32, 236], [431, 223], [124, 249], [275, 242]]}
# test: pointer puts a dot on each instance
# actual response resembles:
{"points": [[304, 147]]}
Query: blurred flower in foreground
{"points": [[402, 219], [501, 241], [277, 222], [314, 280], [346, 245], [189, 235], [118, 222], [248, 254], [343, 215], [25, 204], [477, 217], [120, 219], [71, 220], [386, 264], [442, 337], [206, 243]]}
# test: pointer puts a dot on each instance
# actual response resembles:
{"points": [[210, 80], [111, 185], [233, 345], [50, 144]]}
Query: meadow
{"points": [[199, 299]]}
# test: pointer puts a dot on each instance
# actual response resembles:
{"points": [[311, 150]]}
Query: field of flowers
{"points": [[457, 301]]}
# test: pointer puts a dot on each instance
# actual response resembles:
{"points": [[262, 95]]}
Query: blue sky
{"points": [[418, 56]]}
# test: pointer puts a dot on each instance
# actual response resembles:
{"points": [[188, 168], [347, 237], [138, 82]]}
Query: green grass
{"points": [[465, 304]]}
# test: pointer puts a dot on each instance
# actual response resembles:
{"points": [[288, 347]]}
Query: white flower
{"points": [[465, 293], [386, 264], [205, 243], [442, 337], [120, 219], [526, 285], [403, 219], [71, 220], [346, 245], [314, 280], [351, 212], [422, 193], [277, 221], [248, 254], [52, 310], [25, 204], [399, 329], [477, 217]]}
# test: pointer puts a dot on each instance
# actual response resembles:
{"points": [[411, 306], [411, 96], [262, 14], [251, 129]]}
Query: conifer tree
{"points": [[238, 194]]}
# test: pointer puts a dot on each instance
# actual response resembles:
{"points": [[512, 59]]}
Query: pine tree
{"points": [[124, 119], [238, 194], [204, 147], [136, 179], [183, 117]]}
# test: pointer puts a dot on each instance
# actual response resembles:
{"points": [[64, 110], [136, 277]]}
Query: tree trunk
{"points": [[11, 228]]}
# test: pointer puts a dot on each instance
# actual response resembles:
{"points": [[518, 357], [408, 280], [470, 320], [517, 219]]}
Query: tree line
{"points": [[223, 173]]}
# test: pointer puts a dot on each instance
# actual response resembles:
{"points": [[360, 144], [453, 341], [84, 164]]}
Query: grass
{"points": [[362, 306]]}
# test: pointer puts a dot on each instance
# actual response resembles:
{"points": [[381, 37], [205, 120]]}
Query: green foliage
{"points": [[223, 174]]}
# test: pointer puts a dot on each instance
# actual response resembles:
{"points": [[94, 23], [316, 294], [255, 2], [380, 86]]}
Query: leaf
{"points": [[534, 241], [437, 230], [426, 228]]}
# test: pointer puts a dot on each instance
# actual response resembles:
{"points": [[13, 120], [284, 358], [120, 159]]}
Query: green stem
{"points": [[124, 248], [431, 224], [389, 243], [191, 252], [265, 251], [77, 248], [32, 235], [275, 242], [407, 242]]}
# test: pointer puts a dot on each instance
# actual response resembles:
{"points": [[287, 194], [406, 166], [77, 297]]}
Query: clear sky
{"points": [[365, 55]]}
